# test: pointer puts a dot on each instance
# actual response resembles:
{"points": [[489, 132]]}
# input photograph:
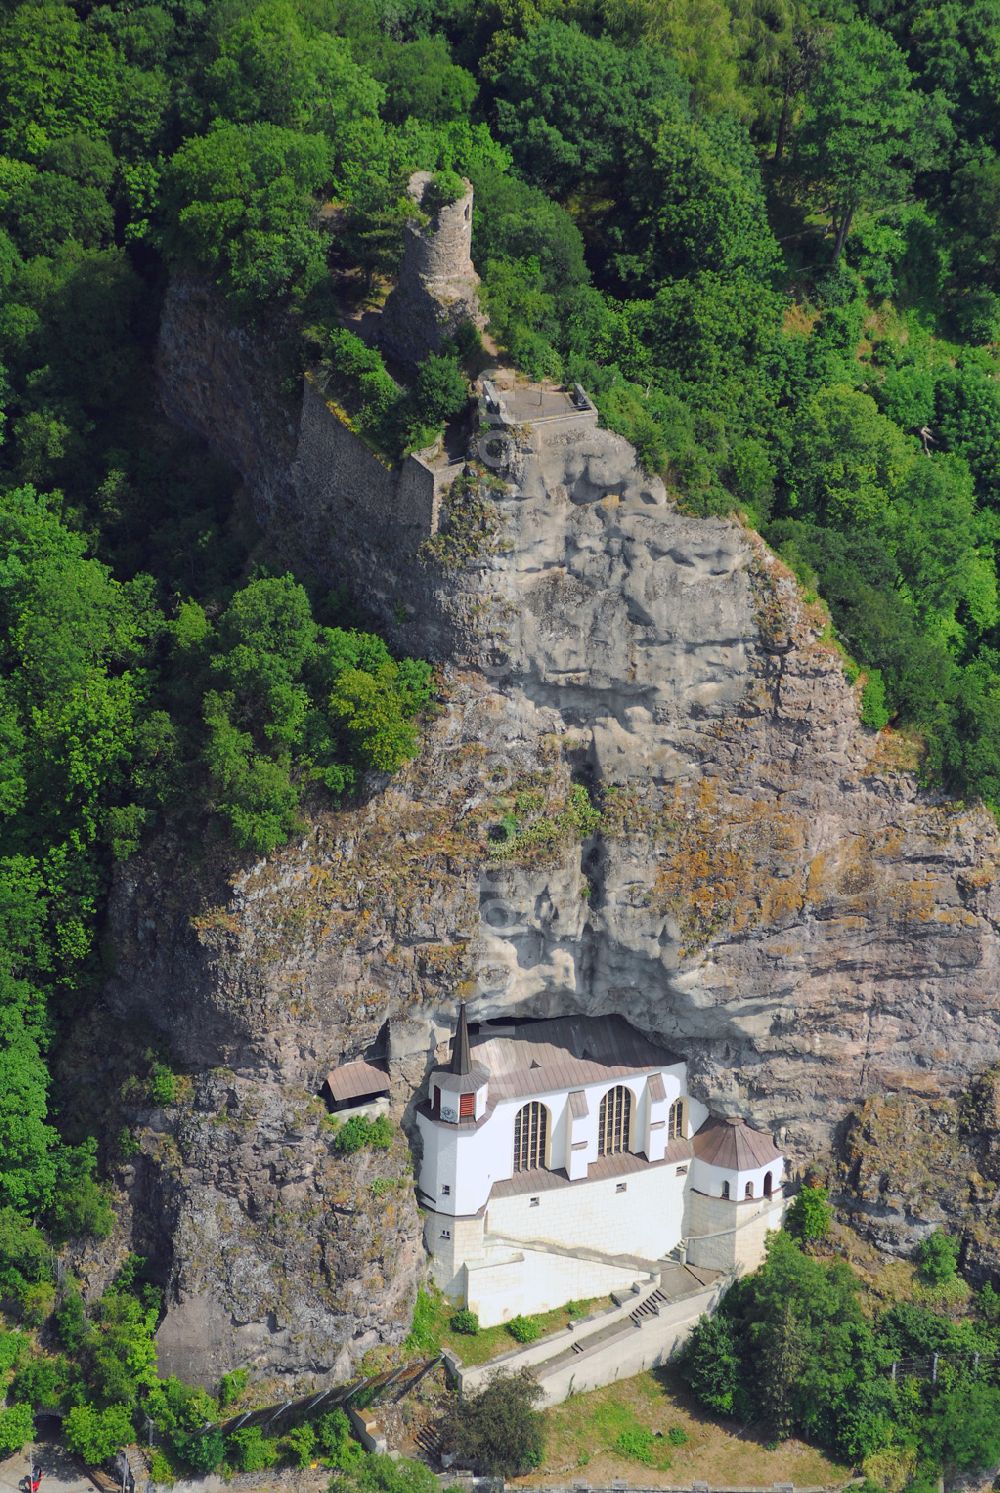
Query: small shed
{"points": [[361, 1085]]}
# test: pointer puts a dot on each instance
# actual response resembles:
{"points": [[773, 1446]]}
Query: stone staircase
{"points": [[648, 1308]]}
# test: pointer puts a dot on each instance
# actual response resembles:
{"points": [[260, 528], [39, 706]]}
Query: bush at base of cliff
{"points": [[337, 1446], [250, 1450], [498, 1431], [359, 1131], [937, 1257], [380, 1474], [96, 1434], [17, 1428], [810, 1214], [465, 1322]]}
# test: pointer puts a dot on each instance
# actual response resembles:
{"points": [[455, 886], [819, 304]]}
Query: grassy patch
{"points": [[432, 1328], [636, 1423]]}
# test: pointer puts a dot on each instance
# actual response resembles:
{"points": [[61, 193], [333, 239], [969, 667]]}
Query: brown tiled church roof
{"points": [[731, 1143], [536, 1057]]}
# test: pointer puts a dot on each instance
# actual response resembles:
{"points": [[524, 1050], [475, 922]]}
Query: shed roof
{"points": [[729, 1142], [535, 1057], [357, 1080]]}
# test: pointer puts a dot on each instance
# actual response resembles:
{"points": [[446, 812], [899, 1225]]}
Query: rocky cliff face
{"points": [[646, 791]]}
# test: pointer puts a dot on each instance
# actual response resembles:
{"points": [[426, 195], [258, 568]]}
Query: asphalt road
{"points": [[61, 1473]]}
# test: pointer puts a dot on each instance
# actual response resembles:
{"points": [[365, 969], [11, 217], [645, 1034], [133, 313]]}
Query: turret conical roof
{"points": [[461, 1055]]}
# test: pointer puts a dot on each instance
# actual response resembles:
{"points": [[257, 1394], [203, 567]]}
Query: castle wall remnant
{"points": [[337, 473], [438, 286]]}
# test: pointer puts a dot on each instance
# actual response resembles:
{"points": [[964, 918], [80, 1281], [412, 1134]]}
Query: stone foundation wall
{"points": [[645, 1218], [539, 1281], [723, 1235]]}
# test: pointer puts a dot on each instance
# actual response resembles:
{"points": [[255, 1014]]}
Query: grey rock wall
{"points": [[759, 882]]}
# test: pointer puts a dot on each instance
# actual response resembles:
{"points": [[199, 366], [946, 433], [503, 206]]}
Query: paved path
{"points": [[61, 1472]]}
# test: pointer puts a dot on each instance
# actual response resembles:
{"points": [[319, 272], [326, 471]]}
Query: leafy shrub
{"points": [[338, 1447], [874, 713], [636, 1443], [44, 1382], [162, 1084], [443, 188], [359, 1131], [96, 1434], [203, 1451], [301, 1444], [250, 1450], [440, 390], [231, 1386], [80, 1207], [576, 1309], [523, 1329], [810, 1214], [17, 1427], [937, 1257], [677, 1436], [466, 1322]]}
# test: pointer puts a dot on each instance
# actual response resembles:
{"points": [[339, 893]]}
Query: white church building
{"points": [[562, 1159]]}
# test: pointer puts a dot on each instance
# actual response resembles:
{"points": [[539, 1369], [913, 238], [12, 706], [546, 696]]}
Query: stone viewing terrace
{"points": [[508, 401]]}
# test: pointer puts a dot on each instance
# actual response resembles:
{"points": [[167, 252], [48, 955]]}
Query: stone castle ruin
{"points": [[438, 288]]}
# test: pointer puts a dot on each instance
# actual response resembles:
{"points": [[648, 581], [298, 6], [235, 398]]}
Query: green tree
{"points": [[497, 1430], [251, 1450], [867, 129], [810, 1214], [937, 1257], [784, 1353], [698, 34], [95, 1435], [963, 1429], [710, 1364], [568, 103], [421, 80], [27, 1164], [17, 1428], [239, 202], [271, 66]]}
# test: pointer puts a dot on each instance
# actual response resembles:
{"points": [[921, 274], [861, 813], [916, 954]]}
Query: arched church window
{"points": [[531, 1136], [615, 1121], [675, 1120], [748, 1193], [725, 1189], [768, 1184]]}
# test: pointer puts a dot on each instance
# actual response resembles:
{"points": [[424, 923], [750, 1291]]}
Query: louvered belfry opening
{"points": [[531, 1135], [615, 1121]]}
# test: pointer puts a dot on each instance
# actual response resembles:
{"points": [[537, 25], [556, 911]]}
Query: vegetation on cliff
{"points": [[765, 236], [907, 1390]]}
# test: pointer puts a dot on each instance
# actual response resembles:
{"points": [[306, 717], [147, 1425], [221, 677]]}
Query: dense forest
{"points": [[764, 234]]}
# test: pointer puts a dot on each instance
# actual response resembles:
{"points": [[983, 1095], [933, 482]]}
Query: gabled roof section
{"points": [[729, 1142], [357, 1080], [537, 1057]]}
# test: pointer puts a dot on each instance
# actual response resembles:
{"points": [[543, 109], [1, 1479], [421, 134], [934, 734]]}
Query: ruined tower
{"points": [[438, 285]]}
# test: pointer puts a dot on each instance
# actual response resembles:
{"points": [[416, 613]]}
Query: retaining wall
{"points": [[628, 1352], [618, 1355]]}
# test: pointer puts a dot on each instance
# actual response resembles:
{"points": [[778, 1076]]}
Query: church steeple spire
{"points": [[461, 1054]]}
